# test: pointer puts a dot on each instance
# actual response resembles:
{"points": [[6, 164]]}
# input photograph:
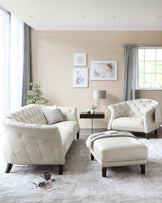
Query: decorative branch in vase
{"points": [[93, 108]]}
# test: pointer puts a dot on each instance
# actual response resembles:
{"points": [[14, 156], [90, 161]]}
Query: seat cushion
{"points": [[68, 130], [122, 150], [128, 124]]}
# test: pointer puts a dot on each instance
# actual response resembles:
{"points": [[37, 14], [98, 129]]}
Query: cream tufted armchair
{"points": [[30, 140], [140, 115]]}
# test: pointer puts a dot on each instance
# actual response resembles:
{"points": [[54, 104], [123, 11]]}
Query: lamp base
{"points": [[98, 105]]}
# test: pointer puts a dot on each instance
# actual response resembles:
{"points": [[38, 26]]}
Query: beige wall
{"points": [[52, 63]]}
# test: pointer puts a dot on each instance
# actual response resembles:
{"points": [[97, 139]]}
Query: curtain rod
{"points": [[143, 45], [3, 9]]}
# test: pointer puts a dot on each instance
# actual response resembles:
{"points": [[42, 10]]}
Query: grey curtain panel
{"points": [[130, 67], [27, 62]]}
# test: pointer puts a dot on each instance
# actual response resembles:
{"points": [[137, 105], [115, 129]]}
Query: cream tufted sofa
{"points": [[140, 115], [29, 140]]}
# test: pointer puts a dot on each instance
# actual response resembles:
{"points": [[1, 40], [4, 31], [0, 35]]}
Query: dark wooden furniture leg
{"points": [[8, 168], [147, 135], [78, 136], [92, 157], [60, 169], [104, 171], [142, 169], [155, 132]]}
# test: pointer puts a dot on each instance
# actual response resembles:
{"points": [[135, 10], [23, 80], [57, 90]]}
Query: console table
{"points": [[97, 115]]}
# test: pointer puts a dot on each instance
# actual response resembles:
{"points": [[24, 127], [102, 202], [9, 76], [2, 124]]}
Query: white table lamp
{"points": [[99, 94]]}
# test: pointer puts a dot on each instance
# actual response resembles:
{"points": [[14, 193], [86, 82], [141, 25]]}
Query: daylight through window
{"points": [[149, 73]]}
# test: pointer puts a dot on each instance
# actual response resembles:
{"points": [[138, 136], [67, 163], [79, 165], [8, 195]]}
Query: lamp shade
{"points": [[99, 94]]}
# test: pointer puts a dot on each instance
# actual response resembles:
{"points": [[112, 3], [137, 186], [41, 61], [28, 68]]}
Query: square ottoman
{"points": [[115, 148]]}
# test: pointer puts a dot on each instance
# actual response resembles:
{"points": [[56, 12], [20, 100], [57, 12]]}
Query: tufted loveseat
{"points": [[30, 140], [140, 115]]}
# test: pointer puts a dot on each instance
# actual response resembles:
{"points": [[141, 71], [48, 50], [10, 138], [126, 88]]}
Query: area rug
{"points": [[82, 180]]}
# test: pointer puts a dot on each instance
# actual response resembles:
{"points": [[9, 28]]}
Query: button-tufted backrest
{"points": [[68, 113], [28, 114], [135, 108]]}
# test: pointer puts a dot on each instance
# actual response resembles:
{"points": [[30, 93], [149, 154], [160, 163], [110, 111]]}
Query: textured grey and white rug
{"points": [[82, 181]]}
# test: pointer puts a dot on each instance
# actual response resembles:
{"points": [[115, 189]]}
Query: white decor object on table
{"points": [[80, 59], [103, 70], [80, 77]]}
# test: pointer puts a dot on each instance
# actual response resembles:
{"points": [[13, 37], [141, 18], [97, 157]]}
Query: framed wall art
{"points": [[80, 77], [103, 70], [80, 59]]}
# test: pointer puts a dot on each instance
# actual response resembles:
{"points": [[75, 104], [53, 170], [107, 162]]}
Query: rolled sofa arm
{"points": [[32, 143], [149, 119], [112, 116], [116, 111]]}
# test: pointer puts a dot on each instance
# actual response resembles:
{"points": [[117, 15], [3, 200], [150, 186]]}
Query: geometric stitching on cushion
{"points": [[31, 149], [146, 109], [29, 140], [68, 113], [29, 114], [132, 108]]}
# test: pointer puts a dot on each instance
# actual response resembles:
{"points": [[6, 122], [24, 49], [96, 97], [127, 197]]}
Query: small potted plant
{"points": [[34, 96]]}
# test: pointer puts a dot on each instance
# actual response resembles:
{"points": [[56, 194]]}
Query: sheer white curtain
{"points": [[16, 59], [11, 62], [4, 61]]}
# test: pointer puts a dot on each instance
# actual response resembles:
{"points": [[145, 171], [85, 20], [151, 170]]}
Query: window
{"points": [[149, 73]]}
